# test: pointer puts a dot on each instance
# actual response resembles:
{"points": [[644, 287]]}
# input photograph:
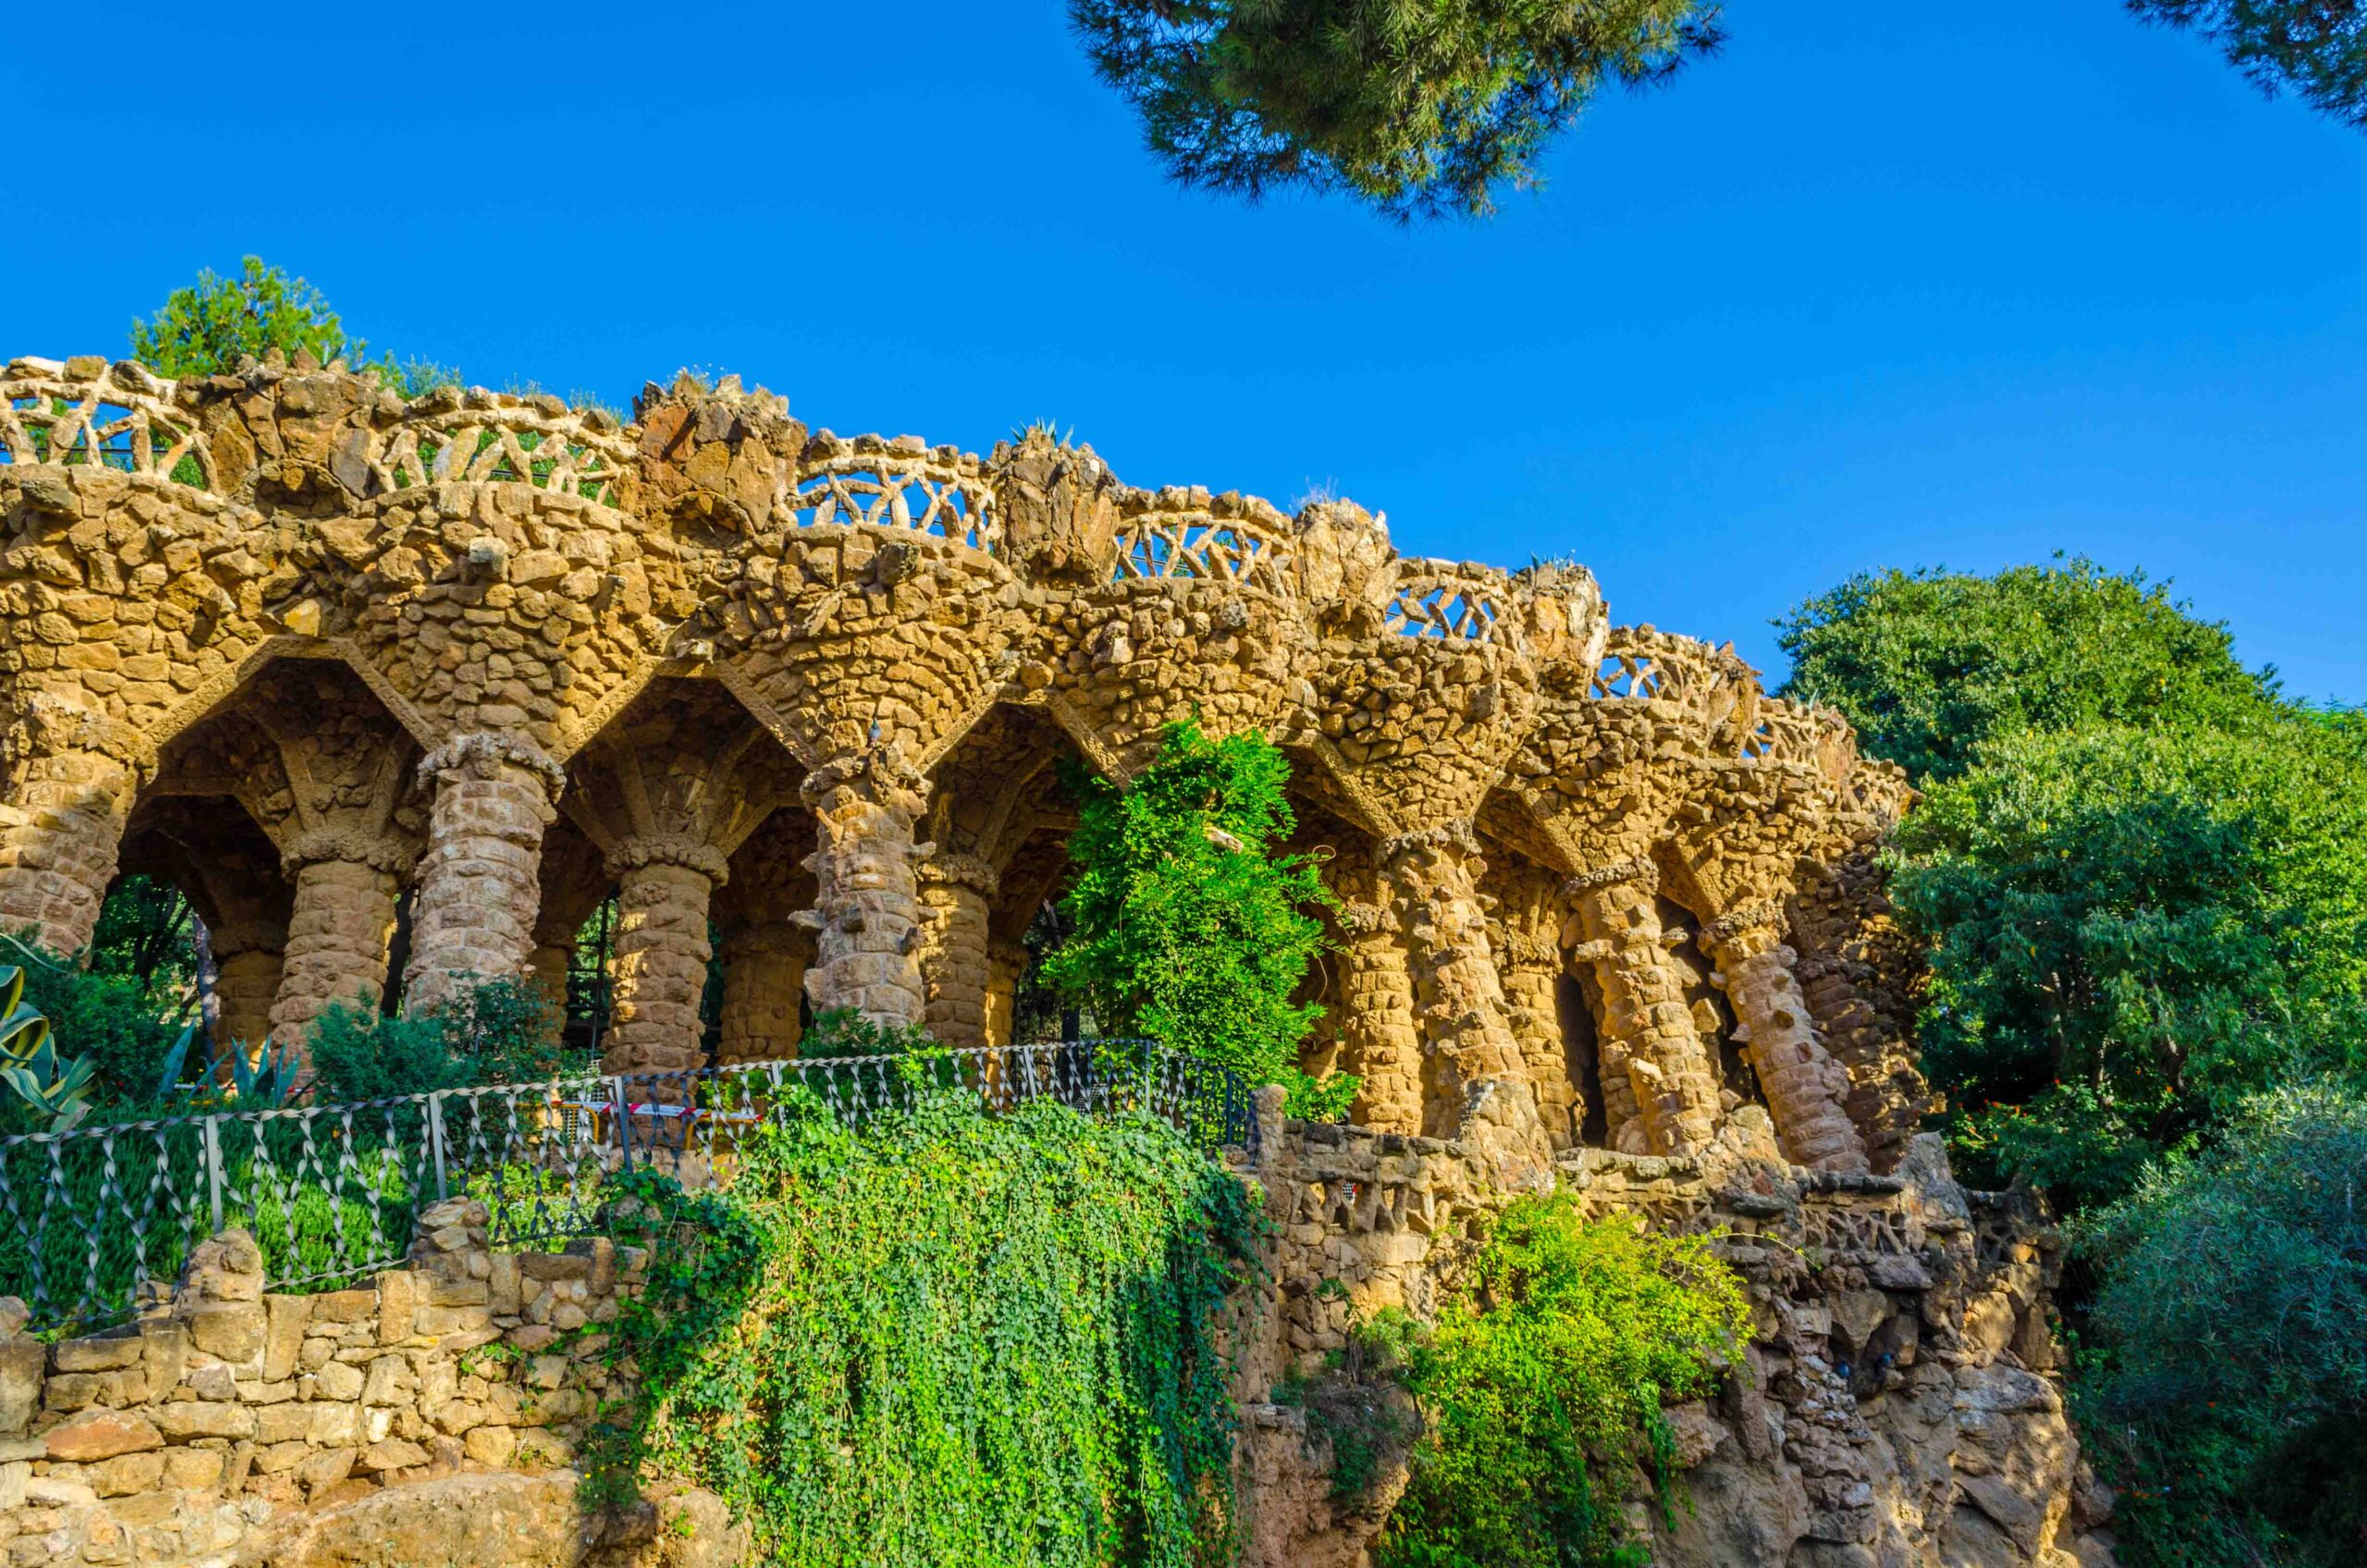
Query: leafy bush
{"points": [[2226, 1379], [1542, 1384], [1184, 927], [2133, 929], [950, 1339], [497, 1031]]}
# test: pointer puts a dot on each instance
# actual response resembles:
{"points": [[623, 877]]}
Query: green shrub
{"points": [[497, 1032], [950, 1339], [1185, 926], [1541, 1385], [2225, 1368]]}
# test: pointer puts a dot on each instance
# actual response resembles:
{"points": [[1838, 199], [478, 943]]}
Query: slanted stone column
{"points": [[61, 824], [1532, 967], [247, 961], [956, 897], [1380, 1042], [1646, 1034], [338, 932], [867, 913], [663, 889], [1434, 877], [764, 989], [1806, 1088], [1006, 961], [478, 895]]}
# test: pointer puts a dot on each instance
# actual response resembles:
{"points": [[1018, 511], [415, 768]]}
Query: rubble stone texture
{"points": [[477, 662]]}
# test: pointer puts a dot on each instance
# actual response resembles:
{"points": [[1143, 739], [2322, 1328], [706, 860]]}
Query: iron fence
{"points": [[99, 1220]]}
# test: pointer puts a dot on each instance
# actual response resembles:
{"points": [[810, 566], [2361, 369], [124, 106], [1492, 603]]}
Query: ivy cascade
{"points": [[946, 1339]]}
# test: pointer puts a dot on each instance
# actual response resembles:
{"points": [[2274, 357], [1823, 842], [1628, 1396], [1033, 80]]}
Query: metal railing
{"points": [[95, 1223]]}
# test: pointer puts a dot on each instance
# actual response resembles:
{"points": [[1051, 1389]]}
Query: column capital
{"points": [[877, 773], [1638, 869], [379, 851], [1364, 920], [483, 753], [959, 870], [1456, 836], [669, 848], [233, 937], [1739, 923]]}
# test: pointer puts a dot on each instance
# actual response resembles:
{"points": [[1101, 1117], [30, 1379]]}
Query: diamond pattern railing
{"points": [[95, 1223]]}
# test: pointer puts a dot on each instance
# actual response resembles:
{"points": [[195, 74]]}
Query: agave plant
{"points": [[60, 1089], [264, 1080]]}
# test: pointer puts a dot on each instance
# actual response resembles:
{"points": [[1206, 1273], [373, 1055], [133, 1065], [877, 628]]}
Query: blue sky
{"points": [[1879, 285]]}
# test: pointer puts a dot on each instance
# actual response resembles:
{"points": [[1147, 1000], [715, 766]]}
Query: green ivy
{"points": [[1184, 926], [1541, 1387], [948, 1339]]}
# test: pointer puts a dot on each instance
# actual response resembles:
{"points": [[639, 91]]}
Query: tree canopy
{"points": [[2315, 49], [2223, 1378], [1420, 108], [207, 327], [2130, 929], [1929, 665]]}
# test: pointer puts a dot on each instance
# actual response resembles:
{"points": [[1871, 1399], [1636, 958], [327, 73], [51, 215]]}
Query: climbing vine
{"points": [[948, 1339]]}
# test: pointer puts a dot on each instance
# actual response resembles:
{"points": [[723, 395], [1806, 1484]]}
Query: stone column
{"points": [[662, 890], [1647, 1028], [764, 987], [61, 826], [1532, 965], [338, 932], [1434, 878], [1380, 1042], [867, 913], [1806, 1088], [547, 965], [247, 962], [1006, 961], [956, 897], [479, 892]]}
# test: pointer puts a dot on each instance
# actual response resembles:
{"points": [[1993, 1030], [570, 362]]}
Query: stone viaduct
{"points": [[317, 654]]}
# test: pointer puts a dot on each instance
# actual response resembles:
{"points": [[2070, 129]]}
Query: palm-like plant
{"points": [[60, 1089]]}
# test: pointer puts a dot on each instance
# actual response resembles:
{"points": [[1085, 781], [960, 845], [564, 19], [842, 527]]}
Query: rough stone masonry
{"points": [[334, 663], [329, 661]]}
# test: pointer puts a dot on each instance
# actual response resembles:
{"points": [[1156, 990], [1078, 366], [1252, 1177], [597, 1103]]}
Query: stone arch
{"points": [[213, 852], [666, 794], [990, 796]]}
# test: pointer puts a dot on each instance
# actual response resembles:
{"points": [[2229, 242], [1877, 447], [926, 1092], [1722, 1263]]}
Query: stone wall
{"points": [[426, 1416], [1898, 1405]]}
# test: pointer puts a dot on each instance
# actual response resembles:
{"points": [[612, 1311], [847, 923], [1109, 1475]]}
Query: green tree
{"points": [[1417, 107], [2314, 48], [2130, 930], [1184, 927], [204, 329], [1929, 665], [2223, 1384]]}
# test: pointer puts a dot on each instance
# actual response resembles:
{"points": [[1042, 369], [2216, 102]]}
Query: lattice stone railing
{"points": [[1787, 732], [88, 413], [1640, 662], [1181, 540], [500, 436], [898, 484], [1439, 599]]}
